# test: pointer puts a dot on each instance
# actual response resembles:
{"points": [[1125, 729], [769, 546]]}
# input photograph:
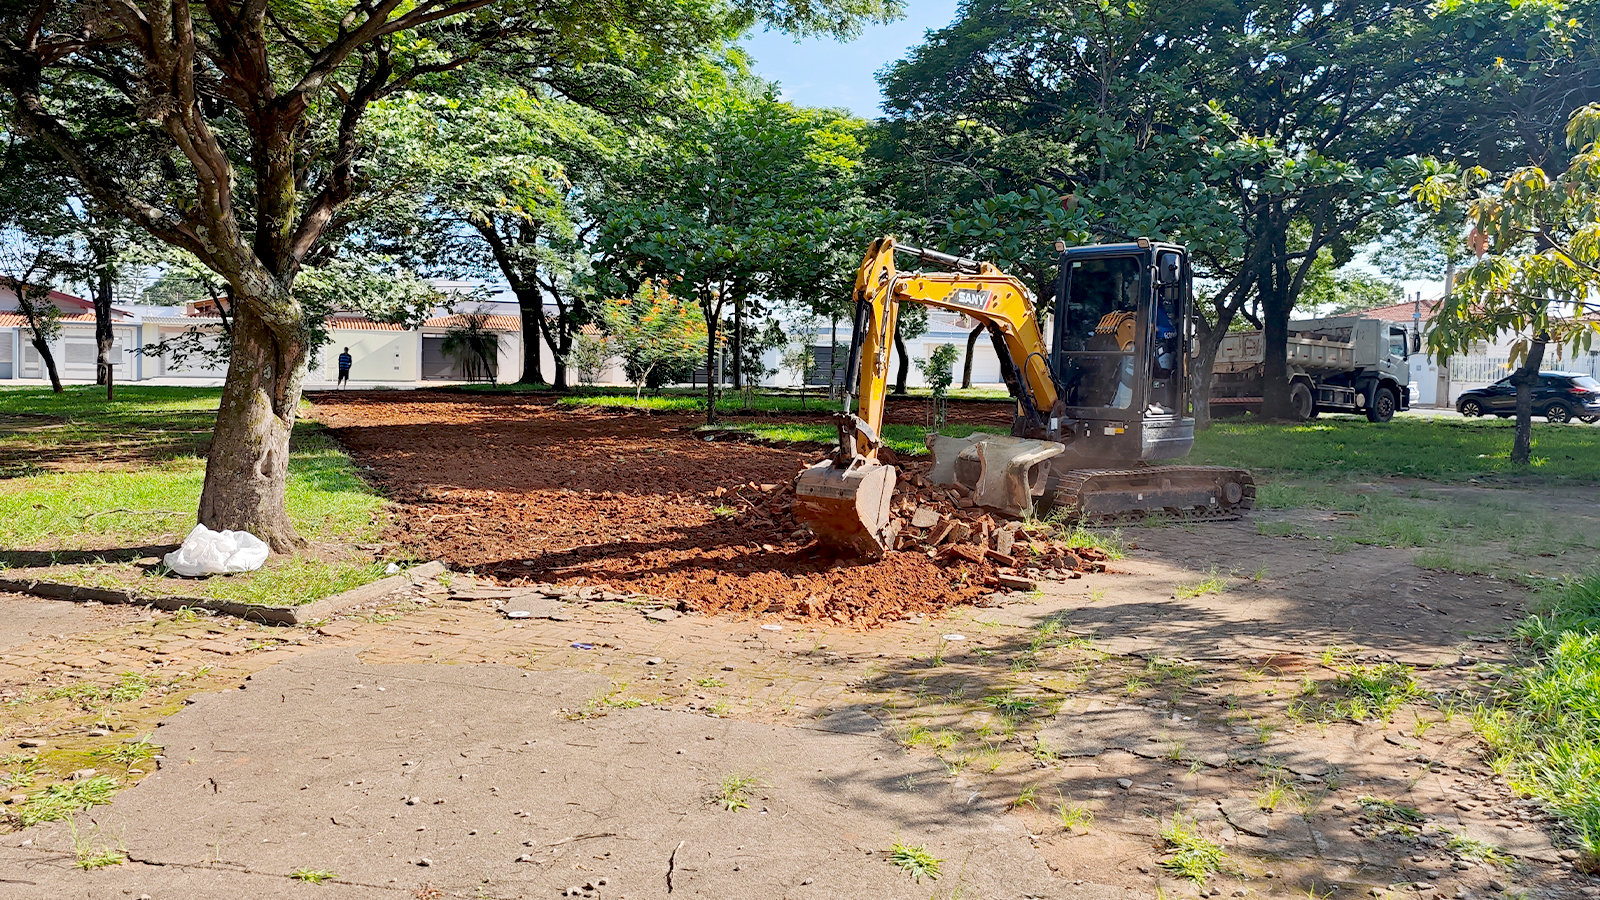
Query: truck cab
{"points": [[1373, 380]]}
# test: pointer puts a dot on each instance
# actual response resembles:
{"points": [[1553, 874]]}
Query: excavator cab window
{"points": [[1098, 332]]}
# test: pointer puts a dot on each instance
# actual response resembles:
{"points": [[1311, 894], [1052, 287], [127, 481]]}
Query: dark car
{"points": [[1559, 397]]}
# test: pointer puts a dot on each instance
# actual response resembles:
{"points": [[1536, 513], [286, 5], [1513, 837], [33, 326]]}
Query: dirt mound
{"points": [[523, 491]]}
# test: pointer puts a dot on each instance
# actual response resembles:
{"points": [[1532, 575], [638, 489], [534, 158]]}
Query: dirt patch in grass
{"points": [[517, 488]]}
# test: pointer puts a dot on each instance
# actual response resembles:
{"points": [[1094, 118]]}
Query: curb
{"points": [[271, 615]]}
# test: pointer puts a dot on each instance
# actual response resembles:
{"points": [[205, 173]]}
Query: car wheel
{"points": [[1589, 420], [1301, 403], [1471, 409], [1383, 405], [1557, 413]]}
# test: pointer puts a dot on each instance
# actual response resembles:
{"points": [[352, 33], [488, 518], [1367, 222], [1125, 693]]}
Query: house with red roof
{"points": [[75, 351], [382, 353]]}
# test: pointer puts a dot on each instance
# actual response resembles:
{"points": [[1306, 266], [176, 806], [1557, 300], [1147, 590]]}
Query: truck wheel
{"points": [[1383, 405], [1301, 403]]}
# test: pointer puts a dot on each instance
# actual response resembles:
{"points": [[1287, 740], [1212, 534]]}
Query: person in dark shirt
{"points": [[345, 360]]}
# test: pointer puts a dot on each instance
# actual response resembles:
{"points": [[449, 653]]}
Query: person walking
{"points": [[345, 359]]}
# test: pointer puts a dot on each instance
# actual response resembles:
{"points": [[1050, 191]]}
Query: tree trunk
{"points": [[966, 367], [711, 368], [563, 348], [102, 314], [530, 303], [1526, 379], [43, 347], [1276, 304], [1200, 376], [904, 369], [247, 468], [738, 343]]}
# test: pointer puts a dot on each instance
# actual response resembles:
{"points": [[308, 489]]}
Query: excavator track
{"points": [[1123, 496]]}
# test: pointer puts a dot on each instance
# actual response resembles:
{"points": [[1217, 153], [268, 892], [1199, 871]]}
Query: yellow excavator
{"points": [[1108, 394]]}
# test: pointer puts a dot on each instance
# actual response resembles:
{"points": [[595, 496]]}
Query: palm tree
{"points": [[474, 346]]}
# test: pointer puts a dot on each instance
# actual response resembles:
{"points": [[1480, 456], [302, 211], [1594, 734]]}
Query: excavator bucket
{"points": [[847, 509]]}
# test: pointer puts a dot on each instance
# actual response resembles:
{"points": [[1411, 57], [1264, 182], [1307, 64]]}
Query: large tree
{"points": [[1266, 136], [246, 140]]}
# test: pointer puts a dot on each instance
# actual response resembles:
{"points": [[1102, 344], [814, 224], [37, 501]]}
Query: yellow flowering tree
{"points": [[653, 329]]}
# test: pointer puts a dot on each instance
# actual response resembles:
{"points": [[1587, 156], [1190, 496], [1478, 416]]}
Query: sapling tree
{"points": [[938, 372]]}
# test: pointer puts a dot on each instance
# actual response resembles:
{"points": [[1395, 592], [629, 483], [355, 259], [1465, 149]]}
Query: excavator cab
{"points": [[1121, 336]]}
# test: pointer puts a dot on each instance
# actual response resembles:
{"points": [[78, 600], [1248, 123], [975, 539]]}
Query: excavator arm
{"points": [[979, 291]]}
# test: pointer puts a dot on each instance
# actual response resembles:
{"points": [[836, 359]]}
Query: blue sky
{"points": [[826, 72]]}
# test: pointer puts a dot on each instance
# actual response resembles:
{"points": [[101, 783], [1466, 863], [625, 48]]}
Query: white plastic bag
{"points": [[207, 552]]}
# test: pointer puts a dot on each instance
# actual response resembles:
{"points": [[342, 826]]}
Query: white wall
{"points": [[375, 356]]}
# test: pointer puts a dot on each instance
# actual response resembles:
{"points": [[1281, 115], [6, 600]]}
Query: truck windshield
{"points": [[1098, 332]]}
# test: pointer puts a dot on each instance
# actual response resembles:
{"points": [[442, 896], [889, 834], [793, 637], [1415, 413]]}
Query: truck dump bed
{"points": [[1241, 350]]}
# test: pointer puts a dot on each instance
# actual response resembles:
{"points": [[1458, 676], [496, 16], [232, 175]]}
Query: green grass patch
{"points": [[1545, 728], [294, 581], [1457, 562], [734, 792], [1432, 448], [906, 440], [915, 861], [61, 801], [127, 475], [1110, 543], [1214, 583], [1392, 811], [1362, 692], [313, 876], [1473, 849], [131, 753], [1428, 517], [1190, 854]]}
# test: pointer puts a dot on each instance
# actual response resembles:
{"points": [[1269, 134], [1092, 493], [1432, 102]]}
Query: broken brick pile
{"points": [[943, 522]]}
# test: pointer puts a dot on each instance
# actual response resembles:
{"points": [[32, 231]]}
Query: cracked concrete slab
{"points": [[323, 762], [1087, 728]]}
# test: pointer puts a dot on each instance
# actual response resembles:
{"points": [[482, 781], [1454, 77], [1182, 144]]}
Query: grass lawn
{"points": [[1545, 732], [1433, 448], [89, 487]]}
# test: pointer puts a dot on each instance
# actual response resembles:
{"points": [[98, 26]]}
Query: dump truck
{"points": [[1094, 405], [1352, 364]]}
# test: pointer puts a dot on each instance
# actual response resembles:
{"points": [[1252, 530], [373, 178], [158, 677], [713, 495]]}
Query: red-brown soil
{"points": [[522, 490]]}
